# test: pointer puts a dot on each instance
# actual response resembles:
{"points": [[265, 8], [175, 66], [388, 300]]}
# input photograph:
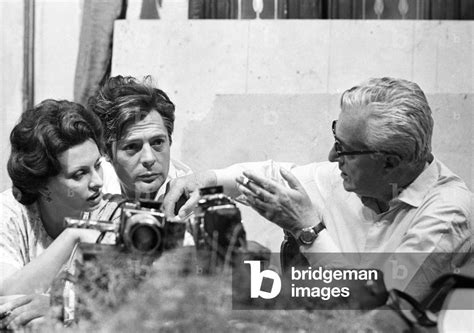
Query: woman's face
{"points": [[78, 186]]}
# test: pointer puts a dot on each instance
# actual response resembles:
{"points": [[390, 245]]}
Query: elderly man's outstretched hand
{"points": [[290, 208], [189, 187]]}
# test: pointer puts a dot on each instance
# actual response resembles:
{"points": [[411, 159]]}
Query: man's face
{"points": [[361, 174], [142, 157]]}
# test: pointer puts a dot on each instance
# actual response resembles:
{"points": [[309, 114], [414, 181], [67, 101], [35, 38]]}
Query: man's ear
{"points": [[392, 161]]}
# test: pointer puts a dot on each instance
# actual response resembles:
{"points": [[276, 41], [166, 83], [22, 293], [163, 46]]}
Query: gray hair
{"points": [[398, 116]]}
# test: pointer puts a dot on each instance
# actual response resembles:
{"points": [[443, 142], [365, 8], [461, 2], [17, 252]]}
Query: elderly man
{"points": [[382, 190], [138, 124]]}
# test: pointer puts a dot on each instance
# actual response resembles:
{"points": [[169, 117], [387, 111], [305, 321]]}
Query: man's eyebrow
{"points": [[128, 140], [347, 146], [139, 138], [340, 141], [159, 136]]}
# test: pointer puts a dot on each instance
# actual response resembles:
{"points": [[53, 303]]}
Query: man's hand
{"points": [[23, 311], [188, 186], [290, 208]]}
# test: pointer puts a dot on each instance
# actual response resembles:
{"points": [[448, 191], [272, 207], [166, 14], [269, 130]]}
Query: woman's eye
{"points": [[97, 166], [78, 176]]}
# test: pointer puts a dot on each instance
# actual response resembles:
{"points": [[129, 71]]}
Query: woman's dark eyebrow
{"points": [[82, 167]]}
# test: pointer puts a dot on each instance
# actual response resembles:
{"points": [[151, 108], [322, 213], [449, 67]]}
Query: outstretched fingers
{"points": [[293, 182], [265, 183], [252, 189]]}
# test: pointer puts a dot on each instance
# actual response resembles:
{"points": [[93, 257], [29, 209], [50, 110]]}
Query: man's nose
{"points": [[147, 158], [333, 155]]}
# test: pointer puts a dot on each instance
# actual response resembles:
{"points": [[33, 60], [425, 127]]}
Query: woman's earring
{"points": [[48, 196]]}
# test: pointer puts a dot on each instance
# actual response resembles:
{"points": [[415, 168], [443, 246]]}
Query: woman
{"points": [[55, 170]]}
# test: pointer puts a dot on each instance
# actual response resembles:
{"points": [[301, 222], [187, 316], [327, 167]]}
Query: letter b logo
{"points": [[257, 278]]}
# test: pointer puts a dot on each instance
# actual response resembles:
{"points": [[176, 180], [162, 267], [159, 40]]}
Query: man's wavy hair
{"points": [[122, 101], [43, 133], [398, 116]]}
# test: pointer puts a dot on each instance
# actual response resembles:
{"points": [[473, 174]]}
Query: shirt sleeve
{"points": [[438, 242], [268, 169], [12, 250]]}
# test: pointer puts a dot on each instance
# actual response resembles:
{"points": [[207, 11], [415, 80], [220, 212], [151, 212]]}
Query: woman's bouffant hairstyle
{"points": [[122, 101], [42, 133]]}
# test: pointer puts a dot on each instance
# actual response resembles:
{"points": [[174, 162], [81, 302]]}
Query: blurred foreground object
{"points": [[103, 275]]}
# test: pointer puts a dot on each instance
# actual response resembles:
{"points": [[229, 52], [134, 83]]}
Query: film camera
{"points": [[142, 230], [217, 225], [141, 235]]}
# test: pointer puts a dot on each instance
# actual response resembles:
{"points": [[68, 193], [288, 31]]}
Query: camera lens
{"points": [[145, 238], [142, 233]]}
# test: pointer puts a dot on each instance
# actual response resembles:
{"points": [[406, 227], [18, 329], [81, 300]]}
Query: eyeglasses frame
{"points": [[340, 153]]}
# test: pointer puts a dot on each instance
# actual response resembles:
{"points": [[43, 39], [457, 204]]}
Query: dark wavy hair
{"points": [[121, 101], [42, 133]]}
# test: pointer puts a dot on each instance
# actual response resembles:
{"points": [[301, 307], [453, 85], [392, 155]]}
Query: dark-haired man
{"points": [[138, 122]]}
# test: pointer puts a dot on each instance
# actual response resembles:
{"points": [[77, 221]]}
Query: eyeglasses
{"points": [[340, 152]]}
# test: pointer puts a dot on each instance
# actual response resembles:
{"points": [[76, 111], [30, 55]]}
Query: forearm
{"points": [[268, 169], [37, 275]]}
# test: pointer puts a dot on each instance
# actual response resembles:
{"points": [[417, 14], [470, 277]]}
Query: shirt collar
{"points": [[172, 173], [415, 192]]}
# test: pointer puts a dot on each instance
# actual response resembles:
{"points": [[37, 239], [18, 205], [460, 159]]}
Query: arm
{"points": [[290, 208], [189, 185], [439, 241], [38, 274]]}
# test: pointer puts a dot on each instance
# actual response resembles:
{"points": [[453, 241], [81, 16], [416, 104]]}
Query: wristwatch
{"points": [[307, 236]]}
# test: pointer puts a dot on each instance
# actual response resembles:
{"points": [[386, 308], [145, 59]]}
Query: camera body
{"points": [[142, 228], [217, 223], [145, 230], [141, 234]]}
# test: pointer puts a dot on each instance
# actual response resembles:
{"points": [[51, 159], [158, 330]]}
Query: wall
{"points": [[11, 71], [277, 83], [254, 90], [57, 30]]}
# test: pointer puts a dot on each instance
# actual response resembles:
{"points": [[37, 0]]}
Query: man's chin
{"points": [[348, 186], [147, 190]]}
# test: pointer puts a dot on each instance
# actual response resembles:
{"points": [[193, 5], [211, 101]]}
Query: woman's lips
{"points": [[95, 198]]}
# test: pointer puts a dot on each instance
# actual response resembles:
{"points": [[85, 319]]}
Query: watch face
{"points": [[308, 236]]}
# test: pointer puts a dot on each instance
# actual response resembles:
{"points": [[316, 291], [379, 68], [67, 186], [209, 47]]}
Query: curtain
{"points": [[334, 9], [95, 45]]}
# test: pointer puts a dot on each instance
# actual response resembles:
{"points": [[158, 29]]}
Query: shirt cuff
{"points": [[226, 178]]}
